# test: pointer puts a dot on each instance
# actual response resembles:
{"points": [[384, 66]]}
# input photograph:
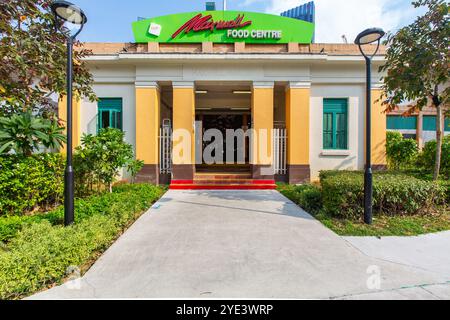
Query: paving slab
{"points": [[429, 252], [236, 244]]}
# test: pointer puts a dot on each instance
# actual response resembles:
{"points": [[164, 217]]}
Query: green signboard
{"points": [[223, 27]]}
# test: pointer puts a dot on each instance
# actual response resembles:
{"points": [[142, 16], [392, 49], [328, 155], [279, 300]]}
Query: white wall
{"points": [[353, 158], [89, 110]]}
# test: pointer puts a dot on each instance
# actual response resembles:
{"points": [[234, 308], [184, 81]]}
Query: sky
{"points": [[110, 20]]}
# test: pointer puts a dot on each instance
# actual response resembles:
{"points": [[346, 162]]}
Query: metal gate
{"points": [[165, 150], [280, 151]]}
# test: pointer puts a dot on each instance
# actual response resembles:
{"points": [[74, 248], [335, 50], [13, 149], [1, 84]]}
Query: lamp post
{"points": [[368, 36], [66, 12]]}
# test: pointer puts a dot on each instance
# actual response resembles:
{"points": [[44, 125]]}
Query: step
{"points": [[222, 187], [222, 176], [240, 184]]}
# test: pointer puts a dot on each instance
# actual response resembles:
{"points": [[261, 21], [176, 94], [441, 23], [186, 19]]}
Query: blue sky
{"points": [[110, 20]]}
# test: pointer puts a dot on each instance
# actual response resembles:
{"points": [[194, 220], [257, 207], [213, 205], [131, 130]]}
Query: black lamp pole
{"points": [[68, 12], [367, 37], [368, 175], [69, 211]]}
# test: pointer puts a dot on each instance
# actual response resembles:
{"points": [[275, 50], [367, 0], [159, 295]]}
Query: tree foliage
{"points": [[99, 159], [417, 64], [33, 58], [24, 133]]}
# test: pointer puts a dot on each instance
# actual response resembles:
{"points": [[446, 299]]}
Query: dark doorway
{"points": [[224, 122]]}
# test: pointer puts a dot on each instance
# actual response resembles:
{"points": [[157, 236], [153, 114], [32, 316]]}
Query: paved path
{"points": [[242, 244]]}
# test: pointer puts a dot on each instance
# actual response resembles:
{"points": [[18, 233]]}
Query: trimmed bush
{"points": [[309, 197], [394, 194], [135, 195], [28, 183], [427, 158], [40, 253], [401, 152]]}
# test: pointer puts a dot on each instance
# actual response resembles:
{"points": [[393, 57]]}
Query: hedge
{"points": [[39, 254], [30, 182], [308, 197], [394, 194]]}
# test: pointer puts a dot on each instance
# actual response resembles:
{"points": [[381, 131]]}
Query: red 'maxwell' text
{"points": [[200, 23]]}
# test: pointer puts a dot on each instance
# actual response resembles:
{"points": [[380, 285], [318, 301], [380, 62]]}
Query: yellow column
{"points": [[183, 131], [147, 123], [297, 125], [262, 118], [378, 131], [76, 111]]}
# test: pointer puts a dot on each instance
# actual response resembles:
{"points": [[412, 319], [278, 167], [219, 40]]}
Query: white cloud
{"points": [[335, 18]]}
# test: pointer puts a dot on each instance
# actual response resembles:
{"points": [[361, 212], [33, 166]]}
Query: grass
{"points": [[37, 254], [384, 226]]}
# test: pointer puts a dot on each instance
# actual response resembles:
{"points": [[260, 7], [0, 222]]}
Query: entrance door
{"points": [[224, 122]]}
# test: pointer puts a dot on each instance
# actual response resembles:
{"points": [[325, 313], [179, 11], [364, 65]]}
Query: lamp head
{"points": [[68, 12], [369, 36]]}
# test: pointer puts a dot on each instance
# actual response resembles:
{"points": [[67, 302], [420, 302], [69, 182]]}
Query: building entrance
{"points": [[238, 148]]}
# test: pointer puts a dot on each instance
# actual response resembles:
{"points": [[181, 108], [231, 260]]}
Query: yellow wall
{"points": [[62, 114], [147, 124], [378, 130], [262, 117], [297, 124], [183, 121]]}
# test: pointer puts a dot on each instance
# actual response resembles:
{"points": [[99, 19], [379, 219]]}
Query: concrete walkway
{"points": [[242, 244]]}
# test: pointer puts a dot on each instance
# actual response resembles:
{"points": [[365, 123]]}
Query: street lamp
{"points": [[367, 37], [66, 12]]}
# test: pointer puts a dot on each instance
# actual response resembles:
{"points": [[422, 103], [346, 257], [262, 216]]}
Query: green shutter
{"points": [[429, 123], [335, 128], [401, 123], [110, 113], [328, 131]]}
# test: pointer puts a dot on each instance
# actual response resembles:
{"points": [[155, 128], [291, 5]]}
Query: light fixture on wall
{"points": [[368, 36], [66, 12], [201, 91], [240, 109], [241, 92]]}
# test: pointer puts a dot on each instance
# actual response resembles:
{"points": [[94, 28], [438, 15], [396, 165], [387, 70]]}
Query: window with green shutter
{"points": [[110, 113], [335, 124], [401, 123], [429, 123]]}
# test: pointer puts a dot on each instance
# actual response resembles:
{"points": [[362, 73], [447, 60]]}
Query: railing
{"points": [[280, 151], [165, 150]]}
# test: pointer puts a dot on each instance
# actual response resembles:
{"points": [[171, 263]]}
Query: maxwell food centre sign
{"points": [[223, 27]]}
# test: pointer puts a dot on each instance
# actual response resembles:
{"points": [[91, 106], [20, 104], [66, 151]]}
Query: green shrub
{"points": [[394, 194], [309, 197], [401, 153], [99, 158], [30, 182], [140, 196], [24, 133], [39, 254], [427, 158]]}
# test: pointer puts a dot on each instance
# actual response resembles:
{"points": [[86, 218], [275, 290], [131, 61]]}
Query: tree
{"points": [[417, 65], [33, 58], [100, 157], [24, 133]]}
